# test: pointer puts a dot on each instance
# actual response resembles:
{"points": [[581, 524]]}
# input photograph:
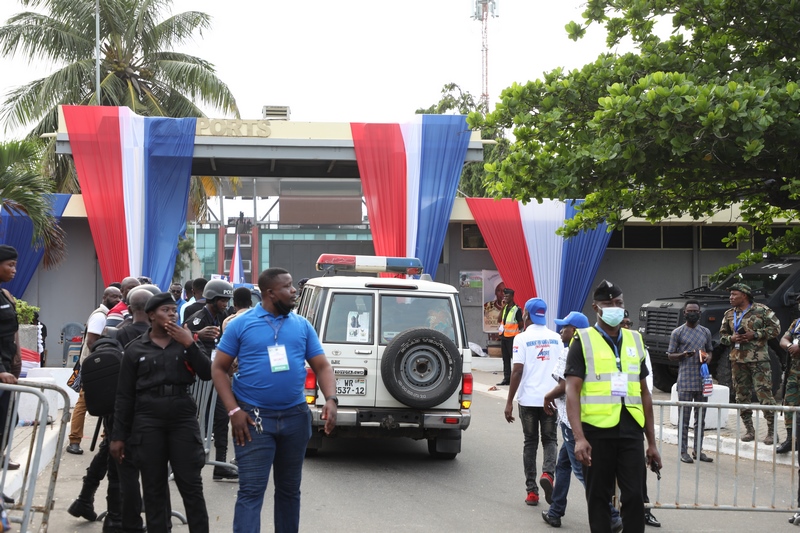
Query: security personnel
{"points": [[510, 327], [791, 343], [206, 324], [746, 328], [608, 406], [155, 420]]}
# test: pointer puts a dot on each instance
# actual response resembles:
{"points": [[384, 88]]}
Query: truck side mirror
{"points": [[789, 298]]}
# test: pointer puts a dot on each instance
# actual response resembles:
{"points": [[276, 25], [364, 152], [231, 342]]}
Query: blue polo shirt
{"points": [[248, 337]]}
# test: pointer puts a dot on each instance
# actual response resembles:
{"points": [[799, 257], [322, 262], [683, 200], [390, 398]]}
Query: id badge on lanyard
{"points": [[278, 360], [619, 384]]}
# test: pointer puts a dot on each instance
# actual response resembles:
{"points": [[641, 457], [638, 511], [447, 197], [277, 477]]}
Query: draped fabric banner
{"points": [[419, 162], [500, 224], [134, 174], [237, 270], [17, 230], [523, 243]]}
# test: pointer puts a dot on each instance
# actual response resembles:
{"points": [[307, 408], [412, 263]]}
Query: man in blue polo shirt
{"points": [[270, 420]]}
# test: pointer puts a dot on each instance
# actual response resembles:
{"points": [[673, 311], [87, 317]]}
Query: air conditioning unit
{"points": [[245, 265], [245, 240], [276, 112]]}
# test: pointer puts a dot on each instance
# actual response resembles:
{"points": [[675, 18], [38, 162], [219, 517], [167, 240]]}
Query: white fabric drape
{"points": [[132, 140], [412, 138]]}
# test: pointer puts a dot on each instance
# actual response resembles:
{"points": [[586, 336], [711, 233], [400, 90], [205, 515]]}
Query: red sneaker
{"points": [[532, 499], [546, 482]]}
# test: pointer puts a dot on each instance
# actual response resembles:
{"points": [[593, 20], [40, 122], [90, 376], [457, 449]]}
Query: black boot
{"points": [[83, 507], [224, 472]]}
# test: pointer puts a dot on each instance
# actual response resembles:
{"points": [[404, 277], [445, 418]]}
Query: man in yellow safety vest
{"points": [[510, 327]]}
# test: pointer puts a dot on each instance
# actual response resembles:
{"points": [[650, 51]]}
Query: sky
{"points": [[362, 60]]}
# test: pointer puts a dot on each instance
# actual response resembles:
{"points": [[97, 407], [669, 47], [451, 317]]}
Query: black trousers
{"points": [[619, 460], [169, 435], [124, 497], [506, 349], [221, 435]]}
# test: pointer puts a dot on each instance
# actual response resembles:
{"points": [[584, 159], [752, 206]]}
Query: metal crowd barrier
{"points": [[205, 396], [768, 483], [29, 469]]}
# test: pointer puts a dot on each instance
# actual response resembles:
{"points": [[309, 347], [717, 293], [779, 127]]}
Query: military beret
{"points": [[509, 292], [7, 252], [606, 291], [156, 301]]}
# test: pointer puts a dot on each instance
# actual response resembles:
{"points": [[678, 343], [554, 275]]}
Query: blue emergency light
{"points": [[411, 266]]}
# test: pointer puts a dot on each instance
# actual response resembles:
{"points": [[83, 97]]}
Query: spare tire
{"points": [[421, 367]]}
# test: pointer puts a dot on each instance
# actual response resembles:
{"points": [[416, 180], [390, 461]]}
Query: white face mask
{"points": [[612, 315]]}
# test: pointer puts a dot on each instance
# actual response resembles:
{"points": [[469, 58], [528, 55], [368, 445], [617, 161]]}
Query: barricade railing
{"points": [[205, 396], [770, 480], [30, 468]]}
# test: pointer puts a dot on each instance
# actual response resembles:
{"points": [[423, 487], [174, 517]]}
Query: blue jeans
{"points": [[532, 418], [566, 463], [282, 446]]}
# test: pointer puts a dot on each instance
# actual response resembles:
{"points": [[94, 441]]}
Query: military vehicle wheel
{"points": [[664, 377]]}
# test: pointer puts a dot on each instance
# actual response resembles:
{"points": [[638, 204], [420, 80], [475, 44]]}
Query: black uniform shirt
{"points": [[201, 319], [628, 428], [146, 367], [129, 333]]}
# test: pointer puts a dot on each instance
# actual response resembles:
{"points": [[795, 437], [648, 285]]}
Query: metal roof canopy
{"points": [[295, 159]]}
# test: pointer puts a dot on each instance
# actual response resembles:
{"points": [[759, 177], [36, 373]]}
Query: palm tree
{"points": [[139, 67], [23, 191]]}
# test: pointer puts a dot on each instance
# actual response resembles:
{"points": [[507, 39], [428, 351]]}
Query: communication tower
{"points": [[481, 11]]}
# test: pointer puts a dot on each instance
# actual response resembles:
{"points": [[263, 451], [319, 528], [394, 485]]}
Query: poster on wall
{"points": [[470, 279], [493, 287]]}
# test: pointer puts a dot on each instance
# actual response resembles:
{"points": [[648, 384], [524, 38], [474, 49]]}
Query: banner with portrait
{"points": [[493, 287]]}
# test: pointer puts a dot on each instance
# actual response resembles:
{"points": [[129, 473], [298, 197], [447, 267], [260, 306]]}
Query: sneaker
{"points": [[546, 482], [554, 521], [75, 449], [532, 499]]}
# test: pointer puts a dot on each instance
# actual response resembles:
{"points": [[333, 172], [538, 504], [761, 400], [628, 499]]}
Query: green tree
{"points": [[473, 182], [139, 66], [685, 125], [23, 192]]}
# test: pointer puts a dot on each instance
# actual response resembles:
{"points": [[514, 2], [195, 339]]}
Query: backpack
{"points": [[99, 375]]}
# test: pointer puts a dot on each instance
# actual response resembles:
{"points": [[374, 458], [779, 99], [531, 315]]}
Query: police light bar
{"points": [[410, 266]]}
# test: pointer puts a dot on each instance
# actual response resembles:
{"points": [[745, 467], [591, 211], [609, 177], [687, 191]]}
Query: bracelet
{"points": [[234, 411]]}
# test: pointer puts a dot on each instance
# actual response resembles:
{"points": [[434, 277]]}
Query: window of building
{"points": [[640, 237], [206, 247], [471, 238], [677, 237], [711, 237], [760, 239]]}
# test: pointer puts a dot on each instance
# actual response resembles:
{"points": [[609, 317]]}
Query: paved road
{"points": [[394, 486]]}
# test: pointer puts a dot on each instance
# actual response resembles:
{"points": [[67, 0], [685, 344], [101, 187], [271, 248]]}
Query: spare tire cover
{"points": [[421, 367]]}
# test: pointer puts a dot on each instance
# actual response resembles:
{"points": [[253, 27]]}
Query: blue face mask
{"points": [[612, 315]]}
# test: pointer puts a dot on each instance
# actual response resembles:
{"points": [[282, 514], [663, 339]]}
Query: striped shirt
{"points": [[687, 339]]}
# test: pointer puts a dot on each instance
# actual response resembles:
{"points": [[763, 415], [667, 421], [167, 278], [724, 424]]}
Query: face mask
{"points": [[692, 317], [282, 308], [612, 315]]}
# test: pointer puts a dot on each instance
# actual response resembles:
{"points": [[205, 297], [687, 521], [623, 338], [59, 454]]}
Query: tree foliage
{"points": [[473, 182], [139, 67], [685, 125], [24, 192]]}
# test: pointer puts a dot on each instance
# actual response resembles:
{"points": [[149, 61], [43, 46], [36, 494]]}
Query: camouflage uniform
{"points": [[750, 368], [792, 395]]}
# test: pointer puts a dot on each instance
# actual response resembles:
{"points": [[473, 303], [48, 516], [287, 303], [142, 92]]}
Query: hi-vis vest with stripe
{"points": [[510, 326], [598, 406]]}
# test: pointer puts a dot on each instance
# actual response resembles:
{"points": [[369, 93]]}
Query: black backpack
{"points": [[99, 375]]}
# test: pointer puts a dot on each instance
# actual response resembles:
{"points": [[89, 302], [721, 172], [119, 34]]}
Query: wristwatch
{"points": [[334, 398]]}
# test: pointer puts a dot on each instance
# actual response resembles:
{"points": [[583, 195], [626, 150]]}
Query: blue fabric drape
{"points": [[17, 230], [580, 261], [445, 139], [169, 145]]}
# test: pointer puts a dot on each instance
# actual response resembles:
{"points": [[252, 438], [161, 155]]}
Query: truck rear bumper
{"points": [[394, 418]]}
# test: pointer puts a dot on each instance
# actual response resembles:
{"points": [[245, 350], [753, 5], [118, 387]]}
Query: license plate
{"points": [[351, 387]]}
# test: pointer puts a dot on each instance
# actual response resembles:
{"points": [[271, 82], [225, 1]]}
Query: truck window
{"points": [[350, 319], [762, 283], [401, 313]]}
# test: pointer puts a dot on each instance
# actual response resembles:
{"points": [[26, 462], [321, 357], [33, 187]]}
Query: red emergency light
{"points": [[410, 266]]}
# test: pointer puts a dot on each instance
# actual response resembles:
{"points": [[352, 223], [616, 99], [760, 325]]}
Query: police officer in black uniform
{"points": [[206, 326], [155, 420]]}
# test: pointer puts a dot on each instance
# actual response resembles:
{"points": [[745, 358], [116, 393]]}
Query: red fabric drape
{"points": [[381, 158], [501, 227], [94, 137]]}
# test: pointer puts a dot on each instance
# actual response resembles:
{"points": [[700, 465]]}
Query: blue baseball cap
{"points": [[574, 318], [536, 308]]}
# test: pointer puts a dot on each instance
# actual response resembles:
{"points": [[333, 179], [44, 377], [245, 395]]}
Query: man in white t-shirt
{"points": [[534, 358]]}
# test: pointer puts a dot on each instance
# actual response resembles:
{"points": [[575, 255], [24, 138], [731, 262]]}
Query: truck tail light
{"points": [[466, 391], [311, 387]]}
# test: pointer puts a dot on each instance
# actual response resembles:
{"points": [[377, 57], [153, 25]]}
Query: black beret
{"points": [[156, 301], [606, 291], [7, 252], [510, 292]]}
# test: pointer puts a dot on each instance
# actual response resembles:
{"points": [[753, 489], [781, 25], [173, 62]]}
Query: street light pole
{"points": [[97, 48]]}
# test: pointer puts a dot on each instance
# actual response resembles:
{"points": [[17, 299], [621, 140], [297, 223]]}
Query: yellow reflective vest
{"points": [[599, 407], [510, 326]]}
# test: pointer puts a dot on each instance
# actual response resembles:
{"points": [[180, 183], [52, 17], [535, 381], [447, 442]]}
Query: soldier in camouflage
{"points": [[791, 343], [746, 328]]}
